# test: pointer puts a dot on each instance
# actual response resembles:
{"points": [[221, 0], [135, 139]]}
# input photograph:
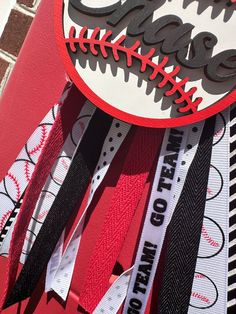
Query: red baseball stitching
{"points": [[17, 185], [208, 238], [4, 219], [202, 297], [131, 53], [42, 215], [42, 141], [27, 171]]}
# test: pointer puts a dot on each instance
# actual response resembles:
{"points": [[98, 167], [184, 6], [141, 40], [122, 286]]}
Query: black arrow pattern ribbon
{"points": [[184, 231]]}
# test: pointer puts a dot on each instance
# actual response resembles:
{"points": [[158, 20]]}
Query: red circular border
{"points": [[99, 102]]}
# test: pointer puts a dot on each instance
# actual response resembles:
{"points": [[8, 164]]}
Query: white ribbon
{"points": [[113, 304], [60, 268], [15, 182], [209, 292], [157, 219], [54, 181]]}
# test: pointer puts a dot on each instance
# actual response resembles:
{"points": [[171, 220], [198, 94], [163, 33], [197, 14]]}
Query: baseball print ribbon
{"points": [[54, 143], [69, 196], [209, 291], [54, 181], [15, 182]]}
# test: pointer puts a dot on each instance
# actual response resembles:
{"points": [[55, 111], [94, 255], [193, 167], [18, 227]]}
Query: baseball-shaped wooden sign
{"points": [[155, 63]]}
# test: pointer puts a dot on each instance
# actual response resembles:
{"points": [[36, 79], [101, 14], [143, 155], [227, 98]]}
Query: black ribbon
{"points": [[184, 231], [68, 199]]}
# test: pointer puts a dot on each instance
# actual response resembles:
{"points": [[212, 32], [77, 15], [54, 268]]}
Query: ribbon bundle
{"points": [[123, 218], [177, 178]]}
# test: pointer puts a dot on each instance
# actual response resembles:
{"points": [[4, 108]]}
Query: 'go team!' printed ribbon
{"points": [[113, 299], [157, 219]]}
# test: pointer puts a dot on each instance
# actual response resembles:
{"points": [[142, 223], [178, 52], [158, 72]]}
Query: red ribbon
{"points": [[60, 130], [141, 155]]}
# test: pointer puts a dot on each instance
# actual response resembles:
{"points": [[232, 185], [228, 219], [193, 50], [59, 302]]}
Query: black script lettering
{"points": [[201, 50], [177, 39], [124, 10], [154, 35], [225, 59], [174, 35], [137, 25], [101, 11], [173, 40]]}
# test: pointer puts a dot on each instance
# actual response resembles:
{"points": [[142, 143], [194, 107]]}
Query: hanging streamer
{"points": [[69, 196], [116, 299], [14, 184], [60, 268], [53, 145], [185, 229], [113, 299], [157, 218], [209, 290], [232, 216], [54, 182], [139, 161]]}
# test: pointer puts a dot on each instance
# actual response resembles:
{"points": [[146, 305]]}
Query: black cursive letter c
{"points": [[100, 11]]}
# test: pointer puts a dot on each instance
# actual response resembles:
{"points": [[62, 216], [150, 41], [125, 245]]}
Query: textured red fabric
{"points": [[128, 192], [60, 130]]}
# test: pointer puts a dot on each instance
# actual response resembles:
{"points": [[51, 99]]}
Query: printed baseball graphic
{"points": [[37, 141], [220, 129], [215, 183], [204, 292], [60, 169], [158, 63], [212, 239]]}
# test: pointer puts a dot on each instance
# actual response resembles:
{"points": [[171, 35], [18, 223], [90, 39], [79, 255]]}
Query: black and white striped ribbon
{"points": [[232, 216], [11, 219]]}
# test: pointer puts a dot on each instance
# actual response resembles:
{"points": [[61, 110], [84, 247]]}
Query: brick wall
{"points": [[14, 33]]}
